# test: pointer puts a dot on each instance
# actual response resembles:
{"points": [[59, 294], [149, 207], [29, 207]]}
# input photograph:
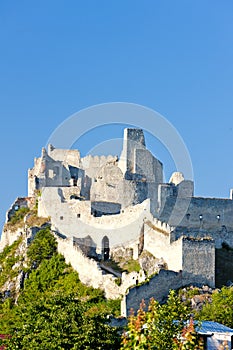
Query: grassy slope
{"points": [[51, 276]]}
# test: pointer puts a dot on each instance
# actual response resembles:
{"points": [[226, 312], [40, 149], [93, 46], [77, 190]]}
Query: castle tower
{"points": [[140, 166], [133, 139]]}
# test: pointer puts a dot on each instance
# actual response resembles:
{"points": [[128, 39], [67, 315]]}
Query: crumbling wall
{"points": [[93, 164], [158, 288], [65, 156], [67, 219], [198, 261], [157, 240], [210, 216], [91, 274], [9, 237], [200, 273], [194, 256], [133, 139], [110, 186]]}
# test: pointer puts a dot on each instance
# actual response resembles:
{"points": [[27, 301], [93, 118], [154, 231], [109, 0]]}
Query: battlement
{"points": [[106, 201]]}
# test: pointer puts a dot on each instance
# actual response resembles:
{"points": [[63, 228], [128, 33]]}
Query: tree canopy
{"points": [[55, 310], [161, 327], [221, 308]]}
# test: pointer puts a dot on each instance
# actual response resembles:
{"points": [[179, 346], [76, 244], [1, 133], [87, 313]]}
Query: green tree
{"points": [[42, 247], [221, 308], [59, 323], [159, 328], [55, 310]]}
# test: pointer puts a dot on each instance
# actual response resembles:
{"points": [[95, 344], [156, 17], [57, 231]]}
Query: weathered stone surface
{"points": [[125, 204], [150, 264]]}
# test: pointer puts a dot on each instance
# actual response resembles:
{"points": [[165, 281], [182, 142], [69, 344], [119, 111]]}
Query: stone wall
{"points": [[74, 219], [110, 186], [194, 256], [133, 139], [93, 164], [147, 165], [157, 240], [91, 274], [9, 237], [158, 288], [159, 285], [198, 261], [211, 216], [66, 156]]}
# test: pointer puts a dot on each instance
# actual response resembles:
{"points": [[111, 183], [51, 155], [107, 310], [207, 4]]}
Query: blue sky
{"points": [[58, 57]]}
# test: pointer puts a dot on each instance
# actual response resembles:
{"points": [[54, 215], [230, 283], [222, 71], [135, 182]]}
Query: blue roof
{"points": [[213, 327]]}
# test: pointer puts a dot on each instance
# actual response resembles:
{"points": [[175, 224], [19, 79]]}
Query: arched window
{"points": [[105, 248]]}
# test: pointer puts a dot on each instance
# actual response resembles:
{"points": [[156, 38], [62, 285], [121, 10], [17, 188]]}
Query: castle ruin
{"points": [[105, 203]]}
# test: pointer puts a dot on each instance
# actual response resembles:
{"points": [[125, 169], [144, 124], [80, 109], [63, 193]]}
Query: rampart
{"points": [[91, 274], [194, 256], [158, 288], [74, 219], [201, 217]]}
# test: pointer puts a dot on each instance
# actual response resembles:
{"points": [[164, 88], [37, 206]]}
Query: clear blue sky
{"points": [[175, 57]]}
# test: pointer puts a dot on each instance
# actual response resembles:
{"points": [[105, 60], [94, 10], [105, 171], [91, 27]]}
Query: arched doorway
{"points": [[105, 248]]}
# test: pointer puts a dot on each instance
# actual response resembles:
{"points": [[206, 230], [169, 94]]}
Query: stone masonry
{"points": [[106, 203]]}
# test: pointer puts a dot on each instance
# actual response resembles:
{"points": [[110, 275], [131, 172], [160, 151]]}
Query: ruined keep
{"points": [[104, 204]]}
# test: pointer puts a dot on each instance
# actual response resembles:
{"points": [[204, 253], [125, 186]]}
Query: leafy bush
{"points": [[18, 215], [42, 247], [221, 308], [161, 327], [59, 322], [131, 265], [7, 261], [55, 310]]}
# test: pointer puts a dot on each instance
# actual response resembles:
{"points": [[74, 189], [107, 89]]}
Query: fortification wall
{"points": [[120, 228], [93, 164], [158, 288], [195, 257], [123, 192], [71, 192], [65, 156], [214, 213], [9, 237], [159, 285], [110, 186], [157, 242], [147, 165], [198, 260], [133, 139], [208, 215], [220, 236], [91, 274]]}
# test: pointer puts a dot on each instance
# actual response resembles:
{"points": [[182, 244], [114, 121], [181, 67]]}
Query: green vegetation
{"points": [[123, 265], [8, 259], [55, 310], [18, 215], [17, 219], [221, 308], [131, 265], [43, 247], [9, 250], [34, 220], [60, 322], [112, 264], [161, 327], [118, 281]]}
